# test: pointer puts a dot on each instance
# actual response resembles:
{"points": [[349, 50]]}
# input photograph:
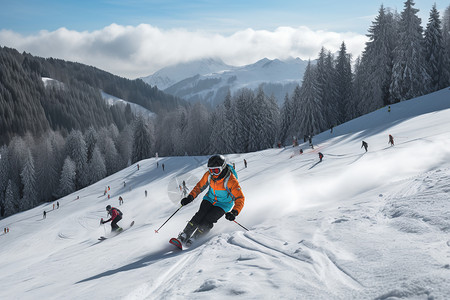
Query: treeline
{"points": [[400, 61], [26, 105]]}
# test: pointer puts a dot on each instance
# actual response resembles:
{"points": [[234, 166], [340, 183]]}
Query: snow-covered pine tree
{"points": [[242, 101], [28, 175], [76, 149], [435, 55], [446, 37], [108, 150], [285, 119], [11, 203], [271, 122], [90, 137], [142, 140], [4, 172], [374, 72], [310, 109], [68, 178], [256, 114], [47, 170], [198, 130], [410, 77], [96, 166], [343, 84]]}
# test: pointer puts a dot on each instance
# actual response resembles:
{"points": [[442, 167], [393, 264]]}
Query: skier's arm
{"points": [[113, 216], [200, 186], [236, 191]]}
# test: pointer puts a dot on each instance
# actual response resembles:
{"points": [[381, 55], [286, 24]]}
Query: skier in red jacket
{"points": [[116, 216]]}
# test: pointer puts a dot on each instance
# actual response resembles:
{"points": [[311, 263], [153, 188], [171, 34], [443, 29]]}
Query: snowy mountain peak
{"points": [[170, 75], [209, 80]]}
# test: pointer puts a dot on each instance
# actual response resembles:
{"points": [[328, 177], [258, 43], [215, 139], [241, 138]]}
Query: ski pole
{"points": [[156, 231], [241, 225]]}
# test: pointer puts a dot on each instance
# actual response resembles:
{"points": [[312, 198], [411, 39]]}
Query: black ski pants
{"points": [[114, 225], [207, 215]]}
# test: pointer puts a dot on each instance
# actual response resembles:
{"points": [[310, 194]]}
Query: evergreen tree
{"points": [[271, 115], [4, 171], [343, 84], [198, 130], [446, 37], [222, 137], [96, 166], [435, 55], [285, 119], [29, 199], [295, 118], [68, 178], [242, 119], [409, 74], [11, 205], [76, 149], [91, 137], [374, 70], [142, 140], [311, 111], [47, 170]]}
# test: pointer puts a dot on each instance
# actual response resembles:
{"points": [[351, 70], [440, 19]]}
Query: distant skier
{"points": [[320, 156], [224, 197], [44, 215], [245, 162], [57, 204], [310, 142], [391, 140], [364, 144], [120, 200], [301, 151], [116, 216]]}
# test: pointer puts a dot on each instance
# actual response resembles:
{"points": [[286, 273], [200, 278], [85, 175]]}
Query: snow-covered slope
{"points": [[209, 80], [135, 108], [357, 225], [110, 99]]}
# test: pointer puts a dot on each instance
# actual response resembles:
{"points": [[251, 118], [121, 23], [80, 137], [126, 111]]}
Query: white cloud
{"points": [[142, 50]]}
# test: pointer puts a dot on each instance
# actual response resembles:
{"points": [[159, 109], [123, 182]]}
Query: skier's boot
{"points": [[201, 230], [187, 232]]}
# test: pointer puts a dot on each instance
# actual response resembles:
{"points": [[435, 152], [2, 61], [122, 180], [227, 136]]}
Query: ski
{"points": [[102, 238], [177, 243]]}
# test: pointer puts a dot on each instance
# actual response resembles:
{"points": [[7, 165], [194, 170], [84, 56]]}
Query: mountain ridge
{"points": [[209, 80]]}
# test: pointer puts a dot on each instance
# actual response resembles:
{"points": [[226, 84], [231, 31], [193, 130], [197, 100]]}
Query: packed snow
{"points": [[358, 225]]}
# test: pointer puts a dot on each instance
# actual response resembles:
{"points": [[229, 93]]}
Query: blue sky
{"points": [[26, 25]]}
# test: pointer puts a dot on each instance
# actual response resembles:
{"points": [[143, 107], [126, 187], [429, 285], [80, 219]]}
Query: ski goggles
{"points": [[215, 170]]}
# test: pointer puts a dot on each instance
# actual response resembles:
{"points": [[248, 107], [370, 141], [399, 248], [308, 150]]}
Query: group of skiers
{"points": [[364, 145], [224, 197]]}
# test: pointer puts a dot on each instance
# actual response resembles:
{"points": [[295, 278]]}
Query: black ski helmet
{"points": [[217, 161], [108, 207]]}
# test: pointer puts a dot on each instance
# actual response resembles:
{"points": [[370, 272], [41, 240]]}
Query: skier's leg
{"points": [[114, 225], [192, 225], [213, 215]]}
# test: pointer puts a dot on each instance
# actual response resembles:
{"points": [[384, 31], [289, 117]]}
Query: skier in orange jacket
{"points": [[224, 197]]}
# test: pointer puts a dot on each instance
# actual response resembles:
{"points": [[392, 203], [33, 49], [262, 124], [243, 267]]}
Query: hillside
{"points": [[357, 225], [27, 105]]}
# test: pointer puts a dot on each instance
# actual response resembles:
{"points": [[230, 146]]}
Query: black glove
{"points": [[187, 200], [231, 215]]}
